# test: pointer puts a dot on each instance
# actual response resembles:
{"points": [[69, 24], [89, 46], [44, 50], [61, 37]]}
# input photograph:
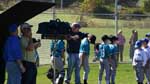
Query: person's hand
{"points": [[22, 68], [76, 37]]}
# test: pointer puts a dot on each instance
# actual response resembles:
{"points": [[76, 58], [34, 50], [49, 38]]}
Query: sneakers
{"points": [[85, 82], [67, 82]]}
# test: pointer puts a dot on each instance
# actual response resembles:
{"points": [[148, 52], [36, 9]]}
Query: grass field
{"points": [[125, 75]]}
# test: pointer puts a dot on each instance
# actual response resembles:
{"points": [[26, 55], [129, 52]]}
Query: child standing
{"points": [[146, 48], [84, 53], [57, 51], [148, 37], [104, 56], [139, 62], [114, 52], [96, 51]]}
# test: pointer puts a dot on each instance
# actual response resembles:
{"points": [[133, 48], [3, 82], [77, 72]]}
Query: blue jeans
{"points": [[139, 71], [104, 65], [113, 67], [73, 62], [14, 73], [29, 77]]}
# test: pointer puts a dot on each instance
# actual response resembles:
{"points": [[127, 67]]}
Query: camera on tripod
{"points": [[55, 29]]}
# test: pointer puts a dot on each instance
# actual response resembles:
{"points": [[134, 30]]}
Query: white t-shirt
{"points": [[147, 51], [139, 55]]}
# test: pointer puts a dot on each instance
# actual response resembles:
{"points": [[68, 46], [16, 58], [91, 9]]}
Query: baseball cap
{"points": [[93, 39], [104, 38], [147, 35], [138, 44], [13, 28], [75, 25], [112, 37], [25, 25], [145, 40]]}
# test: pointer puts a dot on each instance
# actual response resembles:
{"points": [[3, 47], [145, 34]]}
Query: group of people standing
{"points": [[141, 59], [78, 49], [20, 55]]}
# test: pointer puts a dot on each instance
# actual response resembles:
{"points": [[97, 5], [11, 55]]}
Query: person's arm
{"points": [[31, 46], [19, 62], [62, 48], [108, 53], [37, 44], [133, 60], [18, 54], [83, 48], [74, 37], [144, 58]]}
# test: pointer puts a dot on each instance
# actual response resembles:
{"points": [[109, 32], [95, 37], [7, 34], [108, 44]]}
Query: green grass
{"points": [[125, 75]]}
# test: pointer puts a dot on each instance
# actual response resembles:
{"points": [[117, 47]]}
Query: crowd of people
{"points": [[21, 56], [141, 59], [108, 52]]}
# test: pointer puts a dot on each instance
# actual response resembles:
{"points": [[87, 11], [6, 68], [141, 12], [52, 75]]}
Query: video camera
{"points": [[55, 29]]}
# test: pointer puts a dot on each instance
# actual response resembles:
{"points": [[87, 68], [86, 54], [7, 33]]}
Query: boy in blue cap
{"points": [[84, 53], [104, 55], [13, 56], [146, 48], [139, 62]]}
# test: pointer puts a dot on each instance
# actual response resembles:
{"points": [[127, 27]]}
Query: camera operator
{"points": [[29, 51], [73, 45]]}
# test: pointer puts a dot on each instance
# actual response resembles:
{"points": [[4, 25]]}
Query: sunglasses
{"points": [[27, 29]]}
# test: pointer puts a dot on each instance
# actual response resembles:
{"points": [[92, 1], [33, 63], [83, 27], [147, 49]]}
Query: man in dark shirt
{"points": [[73, 45]]}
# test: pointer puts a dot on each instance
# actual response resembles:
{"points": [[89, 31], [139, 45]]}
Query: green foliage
{"points": [[147, 5], [88, 6]]}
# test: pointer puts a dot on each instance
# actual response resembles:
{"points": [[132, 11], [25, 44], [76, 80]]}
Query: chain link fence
{"points": [[92, 23]]}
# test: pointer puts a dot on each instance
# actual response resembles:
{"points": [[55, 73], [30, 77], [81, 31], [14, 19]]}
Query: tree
{"points": [[147, 5], [89, 5]]}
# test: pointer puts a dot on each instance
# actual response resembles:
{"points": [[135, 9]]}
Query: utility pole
{"points": [[116, 17], [54, 11], [61, 4]]}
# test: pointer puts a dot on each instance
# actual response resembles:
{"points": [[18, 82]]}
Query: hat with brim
{"points": [[13, 28], [25, 26], [138, 44], [93, 39], [75, 25], [145, 40], [147, 35]]}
